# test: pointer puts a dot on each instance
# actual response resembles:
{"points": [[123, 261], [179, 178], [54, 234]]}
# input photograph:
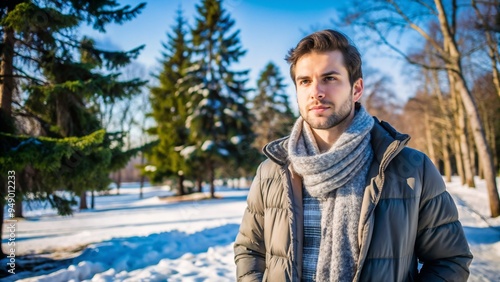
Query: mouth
{"points": [[318, 109]]}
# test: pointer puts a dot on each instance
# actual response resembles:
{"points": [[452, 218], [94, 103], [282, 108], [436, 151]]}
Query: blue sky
{"points": [[268, 29]]}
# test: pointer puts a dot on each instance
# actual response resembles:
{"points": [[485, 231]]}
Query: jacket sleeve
{"points": [[441, 244], [249, 248]]}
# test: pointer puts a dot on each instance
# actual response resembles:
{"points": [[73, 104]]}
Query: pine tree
{"points": [[218, 118], [168, 102], [52, 76], [271, 108]]}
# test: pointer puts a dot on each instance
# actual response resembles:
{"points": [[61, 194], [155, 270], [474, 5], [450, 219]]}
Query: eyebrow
{"points": [[322, 75]]}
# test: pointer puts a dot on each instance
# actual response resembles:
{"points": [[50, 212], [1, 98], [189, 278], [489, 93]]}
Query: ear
{"points": [[357, 89]]}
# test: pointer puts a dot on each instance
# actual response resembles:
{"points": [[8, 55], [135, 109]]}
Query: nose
{"points": [[317, 91]]}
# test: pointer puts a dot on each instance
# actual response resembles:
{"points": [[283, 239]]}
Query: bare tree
{"points": [[383, 17], [461, 136], [416, 109], [445, 121], [489, 106], [432, 106], [439, 119], [141, 123], [379, 98], [125, 116], [486, 14]]}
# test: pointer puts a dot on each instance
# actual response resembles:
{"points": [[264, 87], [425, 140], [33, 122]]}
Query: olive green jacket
{"points": [[406, 217]]}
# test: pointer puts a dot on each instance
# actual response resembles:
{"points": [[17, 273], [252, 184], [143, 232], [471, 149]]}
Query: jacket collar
{"points": [[386, 143], [277, 151]]}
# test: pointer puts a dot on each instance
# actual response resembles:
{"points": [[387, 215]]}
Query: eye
{"points": [[304, 81], [330, 78]]}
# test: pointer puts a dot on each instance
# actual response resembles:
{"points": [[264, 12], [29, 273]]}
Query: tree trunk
{"points": [[119, 181], [464, 146], [461, 132], [480, 171], [483, 149], [141, 184], [472, 154], [457, 132], [444, 108], [7, 72], [484, 152], [494, 148], [18, 197], [212, 180], [494, 62], [92, 200], [3, 194], [491, 137], [63, 116], [458, 159], [429, 139], [6, 94], [142, 174], [83, 200], [199, 184], [446, 157], [18, 208], [181, 189]]}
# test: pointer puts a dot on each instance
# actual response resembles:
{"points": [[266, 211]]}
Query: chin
{"points": [[317, 124]]}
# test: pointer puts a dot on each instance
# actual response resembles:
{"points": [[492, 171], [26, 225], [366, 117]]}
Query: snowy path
{"points": [[483, 233], [127, 239], [485, 245]]}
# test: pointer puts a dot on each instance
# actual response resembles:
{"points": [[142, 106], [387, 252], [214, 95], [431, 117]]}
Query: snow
{"points": [[214, 104], [26, 142], [194, 89], [130, 239], [482, 231], [204, 102], [207, 145], [223, 152], [230, 113], [187, 151], [237, 139]]}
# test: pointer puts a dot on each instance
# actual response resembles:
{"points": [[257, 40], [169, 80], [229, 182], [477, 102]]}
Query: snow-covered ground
{"points": [[130, 239], [482, 231]]}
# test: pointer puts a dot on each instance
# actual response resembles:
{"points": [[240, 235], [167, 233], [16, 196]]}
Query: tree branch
{"points": [[419, 30], [406, 57]]}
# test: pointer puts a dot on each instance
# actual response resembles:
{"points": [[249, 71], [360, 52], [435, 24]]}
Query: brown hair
{"points": [[324, 41]]}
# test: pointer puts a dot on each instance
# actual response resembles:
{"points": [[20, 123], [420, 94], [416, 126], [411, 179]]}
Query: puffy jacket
{"points": [[407, 217]]}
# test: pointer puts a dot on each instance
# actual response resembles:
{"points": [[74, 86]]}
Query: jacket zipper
{"points": [[366, 240], [288, 176]]}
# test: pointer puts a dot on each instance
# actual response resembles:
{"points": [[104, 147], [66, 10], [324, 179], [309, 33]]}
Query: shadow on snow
{"points": [[129, 253]]}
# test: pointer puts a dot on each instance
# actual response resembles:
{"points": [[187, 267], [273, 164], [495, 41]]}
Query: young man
{"points": [[342, 198]]}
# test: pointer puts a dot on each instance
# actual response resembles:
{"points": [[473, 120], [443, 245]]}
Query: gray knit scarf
{"points": [[345, 165]]}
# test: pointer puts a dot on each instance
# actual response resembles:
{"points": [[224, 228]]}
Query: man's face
{"points": [[324, 94]]}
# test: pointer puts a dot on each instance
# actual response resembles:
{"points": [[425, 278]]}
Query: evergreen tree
{"points": [[57, 74], [168, 102], [271, 108], [218, 118]]}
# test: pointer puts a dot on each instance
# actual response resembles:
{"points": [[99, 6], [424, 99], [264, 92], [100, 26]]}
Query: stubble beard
{"points": [[336, 118]]}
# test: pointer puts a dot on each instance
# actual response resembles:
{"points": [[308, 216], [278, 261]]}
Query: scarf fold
{"points": [[337, 178]]}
